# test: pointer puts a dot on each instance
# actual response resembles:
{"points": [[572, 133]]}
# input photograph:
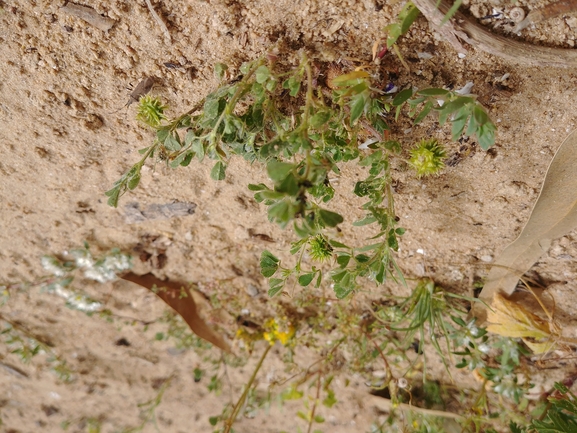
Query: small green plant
{"points": [[559, 416], [276, 115], [425, 311], [148, 409]]}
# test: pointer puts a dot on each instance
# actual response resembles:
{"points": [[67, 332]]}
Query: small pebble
{"points": [[251, 290]]}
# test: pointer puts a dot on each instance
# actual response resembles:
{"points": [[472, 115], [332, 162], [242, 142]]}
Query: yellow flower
{"points": [[283, 331]]}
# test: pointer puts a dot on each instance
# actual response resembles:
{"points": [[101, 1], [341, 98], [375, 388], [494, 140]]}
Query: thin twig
{"points": [[158, 20], [230, 421], [318, 396]]}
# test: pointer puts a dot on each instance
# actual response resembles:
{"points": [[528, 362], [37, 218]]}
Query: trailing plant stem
{"points": [[237, 407], [318, 396]]}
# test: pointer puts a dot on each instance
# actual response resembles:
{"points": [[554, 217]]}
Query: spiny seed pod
{"points": [[151, 111], [427, 158], [320, 249]]}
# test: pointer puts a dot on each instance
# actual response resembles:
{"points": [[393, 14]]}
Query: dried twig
{"points": [[462, 27], [89, 15], [159, 20]]}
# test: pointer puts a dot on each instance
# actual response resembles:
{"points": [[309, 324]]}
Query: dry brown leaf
{"points": [[510, 319], [554, 215], [179, 297]]}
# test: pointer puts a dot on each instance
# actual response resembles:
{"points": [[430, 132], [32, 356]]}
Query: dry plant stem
{"points": [[462, 27], [237, 407], [388, 405], [89, 15], [308, 372], [389, 376], [312, 416], [552, 10], [45, 344], [159, 21]]}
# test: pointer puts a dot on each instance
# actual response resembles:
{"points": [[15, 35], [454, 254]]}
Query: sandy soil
{"points": [[65, 138]]}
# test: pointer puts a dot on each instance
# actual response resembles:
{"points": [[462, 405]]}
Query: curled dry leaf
{"points": [[509, 319], [179, 297], [554, 215]]}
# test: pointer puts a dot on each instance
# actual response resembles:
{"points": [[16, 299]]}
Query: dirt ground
{"points": [[65, 138]]}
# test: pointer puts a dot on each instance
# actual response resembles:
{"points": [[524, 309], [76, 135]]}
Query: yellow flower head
{"points": [[282, 331]]}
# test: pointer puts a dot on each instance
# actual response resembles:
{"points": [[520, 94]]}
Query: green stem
{"points": [[231, 419], [312, 415], [237, 94]]}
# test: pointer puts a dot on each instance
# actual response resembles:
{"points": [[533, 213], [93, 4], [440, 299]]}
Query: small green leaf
{"points": [[186, 160], [268, 195], [189, 137], [134, 181], [459, 123], [268, 264], [255, 187], [362, 258], [480, 115], [219, 70], [113, 196], [305, 279], [451, 107], [211, 108], [218, 172], [162, 133], [357, 104], [280, 212], [407, 16], [365, 221], [330, 399], [486, 135], [276, 285], [433, 92], [172, 143], [271, 84], [277, 170], [343, 260], [331, 219], [402, 97], [178, 160], [198, 148], [320, 118], [337, 244], [262, 74], [342, 292], [293, 84], [292, 393], [426, 109]]}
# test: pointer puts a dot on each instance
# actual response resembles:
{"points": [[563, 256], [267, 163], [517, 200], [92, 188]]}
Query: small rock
{"points": [[252, 290]]}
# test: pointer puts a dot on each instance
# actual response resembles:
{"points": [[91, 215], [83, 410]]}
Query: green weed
{"points": [[275, 114]]}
